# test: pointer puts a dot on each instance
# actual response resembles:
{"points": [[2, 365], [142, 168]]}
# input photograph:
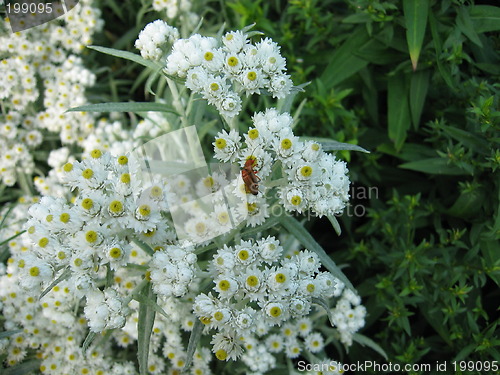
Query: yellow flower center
{"points": [[115, 253], [280, 278], [123, 160], [209, 56], [220, 143], [34, 271], [252, 76], [253, 134], [232, 61], [68, 167], [252, 281], [275, 312], [221, 354], [243, 254], [87, 173], [91, 236], [87, 203], [286, 144], [116, 207], [125, 178], [296, 200], [306, 171], [224, 285], [96, 154]]}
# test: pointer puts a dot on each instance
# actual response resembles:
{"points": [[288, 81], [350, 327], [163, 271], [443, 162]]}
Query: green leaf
{"points": [[418, 91], [151, 303], [12, 237], [144, 246], [466, 26], [324, 304], [485, 18], [88, 341], [25, 368], [126, 55], [344, 63], [398, 110], [64, 275], [144, 328], [335, 224], [415, 13], [468, 204], [123, 107], [13, 332], [331, 145], [438, 46], [365, 341], [468, 139], [434, 166], [305, 238], [6, 215], [194, 339]]}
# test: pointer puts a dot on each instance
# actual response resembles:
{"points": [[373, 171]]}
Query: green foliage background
{"points": [[417, 82]]}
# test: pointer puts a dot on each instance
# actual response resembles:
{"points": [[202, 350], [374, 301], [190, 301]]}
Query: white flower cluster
{"points": [[219, 70], [94, 233], [46, 52], [173, 270], [276, 290], [174, 7], [316, 181], [348, 316], [52, 326], [154, 38]]}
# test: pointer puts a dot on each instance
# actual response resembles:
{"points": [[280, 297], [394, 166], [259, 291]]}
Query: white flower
{"points": [[226, 146], [153, 37], [234, 41], [314, 342]]}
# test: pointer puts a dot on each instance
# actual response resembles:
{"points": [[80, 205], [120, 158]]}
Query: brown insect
{"points": [[249, 176]]}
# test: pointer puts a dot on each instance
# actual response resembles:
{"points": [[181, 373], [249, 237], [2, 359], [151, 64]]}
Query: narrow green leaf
{"points": [[438, 46], [466, 26], [64, 275], [331, 145], [468, 139], [6, 215], [365, 341], [335, 224], [25, 368], [418, 92], [123, 107], [144, 246], [194, 339], [468, 204], [305, 238], [125, 55], [324, 304], [144, 328], [88, 341], [344, 63], [151, 303], [11, 238], [415, 13], [13, 332], [434, 166], [398, 110], [485, 18], [285, 104], [464, 353]]}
